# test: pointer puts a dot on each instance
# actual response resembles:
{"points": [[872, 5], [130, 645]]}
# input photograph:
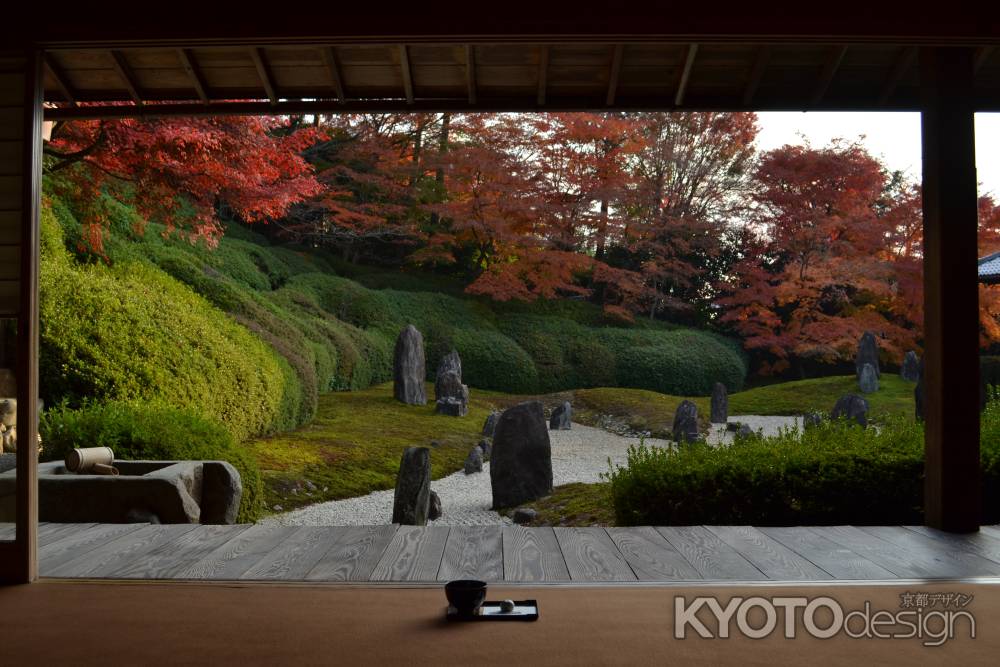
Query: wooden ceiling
{"points": [[493, 76]]}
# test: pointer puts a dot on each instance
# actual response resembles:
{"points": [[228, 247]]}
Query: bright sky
{"points": [[893, 136]]}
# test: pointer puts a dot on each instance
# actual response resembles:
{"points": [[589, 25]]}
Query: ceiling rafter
{"points": [[59, 76], [332, 63], [756, 74], [543, 73], [682, 84], [470, 72], [615, 73], [404, 67], [190, 65], [126, 75], [264, 73], [904, 61], [830, 68]]}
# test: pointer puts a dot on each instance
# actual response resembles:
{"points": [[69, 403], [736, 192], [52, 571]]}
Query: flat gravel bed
{"points": [[578, 455]]}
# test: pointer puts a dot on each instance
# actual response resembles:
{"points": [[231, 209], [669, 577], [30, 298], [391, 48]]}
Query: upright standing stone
{"points": [[720, 404], [911, 367], [867, 354], [490, 425], [411, 505], [918, 395], [450, 395], [408, 370], [686, 423], [521, 461], [474, 461], [868, 382], [435, 510], [452, 363], [562, 416], [851, 407]]}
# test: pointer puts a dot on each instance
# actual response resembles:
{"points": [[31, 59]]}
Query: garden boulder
{"points": [[521, 461], [411, 504], [485, 448], [868, 382], [474, 461], [910, 370], [561, 419], [720, 404], [490, 425], [408, 370], [918, 394], [686, 423], [867, 354], [851, 407], [434, 511]]}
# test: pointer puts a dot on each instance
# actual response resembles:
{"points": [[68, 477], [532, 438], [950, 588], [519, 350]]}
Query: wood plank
{"points": [[76, 543], [473, 552], [712, 557], [532, 554], [10, 298], [119, 551], [470, 72], [591, 555], [972, 565], [296, 555], [10, 227], [414, 554], [10, 261], [50, 532], [770, 557], [682, 84], [901, 562], [354, 555], [650, 556], [169, 558], [406, 72], [838, 560], [232, 559], [10, 192], [980, 543]]}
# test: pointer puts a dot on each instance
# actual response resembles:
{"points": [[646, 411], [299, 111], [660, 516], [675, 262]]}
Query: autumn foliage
{"points": [[676, 216]]}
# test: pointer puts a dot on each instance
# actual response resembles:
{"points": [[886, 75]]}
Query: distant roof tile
{"points": [[989, 269]]}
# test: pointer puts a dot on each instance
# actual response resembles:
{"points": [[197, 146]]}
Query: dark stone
{"points": [[562, 416], [524, 515], [733, 426], [140, 515], [474, 461], [221, 491], [868, 382], [451, 395], [918, 394], [450, 363], [454, 407], [720, 404], [411, 504], [408, 370], [521, 461], [851, 407], [811, 419], [910, 370], [485, 447], [686, 423], [434, 510], [8, 462], [746, 432], [867, 354], [490, 425]]}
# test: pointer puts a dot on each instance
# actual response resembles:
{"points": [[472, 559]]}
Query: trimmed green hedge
{"points": [[151, 431], [836, 473]]}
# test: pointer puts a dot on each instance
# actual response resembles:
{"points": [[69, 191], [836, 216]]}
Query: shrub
{"points": [[990, 369], [682, 362], [490, 360], [132, 332], [836, 473], [151, 431]]}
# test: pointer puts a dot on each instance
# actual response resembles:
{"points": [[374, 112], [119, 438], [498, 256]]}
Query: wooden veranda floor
{"points": [[513, 553]]}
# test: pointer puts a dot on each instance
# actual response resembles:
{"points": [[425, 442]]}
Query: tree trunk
{"points": [[602, 230]]}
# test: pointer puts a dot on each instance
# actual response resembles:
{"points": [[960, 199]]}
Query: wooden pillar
{"points": [[952, 493], [20, 195]]}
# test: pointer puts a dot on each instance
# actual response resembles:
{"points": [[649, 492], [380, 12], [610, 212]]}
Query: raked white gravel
{"points": [[578, 455]]}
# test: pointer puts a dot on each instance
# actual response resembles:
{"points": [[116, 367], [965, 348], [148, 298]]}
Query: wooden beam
{"points": [[333, 67], [470, 72], [615, 73], [404, 67], [126, 75], [543, 73], [59, 76], [264, 73], [190, 65], [682, 84], [952, 492], [904, 61], [756, 74], [830, 68]]}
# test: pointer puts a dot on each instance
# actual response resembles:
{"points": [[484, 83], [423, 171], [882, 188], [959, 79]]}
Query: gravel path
{"points": [[578, 455]]}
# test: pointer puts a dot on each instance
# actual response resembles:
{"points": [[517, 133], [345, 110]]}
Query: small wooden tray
{"points": [[524, 610]]}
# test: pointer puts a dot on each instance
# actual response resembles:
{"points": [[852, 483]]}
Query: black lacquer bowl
{"points": [[465, 595]]}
